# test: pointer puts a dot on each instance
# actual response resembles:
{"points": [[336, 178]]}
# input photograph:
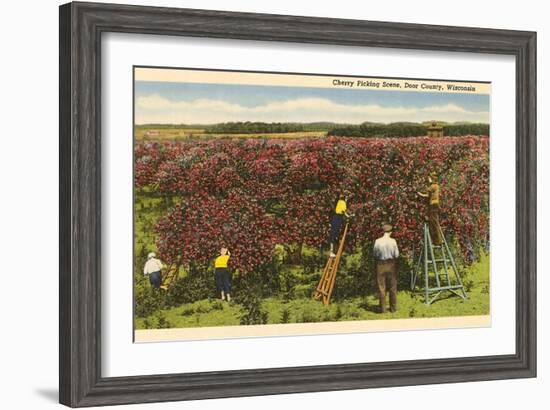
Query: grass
{"points": [[211, 312], [206, 312], [148, 209]]}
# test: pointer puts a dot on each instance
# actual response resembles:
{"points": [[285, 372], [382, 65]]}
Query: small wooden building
{"points": [[435, 130]]}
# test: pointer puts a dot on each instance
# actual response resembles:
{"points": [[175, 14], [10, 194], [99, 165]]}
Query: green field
{"points": [[213, 312], [146, 133]]}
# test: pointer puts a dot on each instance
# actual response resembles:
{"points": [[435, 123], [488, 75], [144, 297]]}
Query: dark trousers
{"points": [[223, 280], [386, 274], [433, 225], [156, 279], [335, 228]]}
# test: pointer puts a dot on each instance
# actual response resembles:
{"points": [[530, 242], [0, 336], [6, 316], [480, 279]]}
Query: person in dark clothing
{"points": [[153, 269], [386, 253], [432, 195], [336, 223], [223, 276]]}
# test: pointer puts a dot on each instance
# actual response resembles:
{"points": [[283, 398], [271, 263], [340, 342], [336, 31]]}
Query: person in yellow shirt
{"points": [[223, 277], [337, 221]]}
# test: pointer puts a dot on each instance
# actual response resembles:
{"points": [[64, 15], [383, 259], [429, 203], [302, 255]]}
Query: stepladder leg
{"points": [[430, 258]]}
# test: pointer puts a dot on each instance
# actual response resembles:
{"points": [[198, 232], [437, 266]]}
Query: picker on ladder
{"points": [[326, 284], [434, 240], [428, 261]]}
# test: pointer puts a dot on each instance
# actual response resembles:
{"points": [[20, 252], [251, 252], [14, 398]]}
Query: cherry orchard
{"points": [[252, 194]]}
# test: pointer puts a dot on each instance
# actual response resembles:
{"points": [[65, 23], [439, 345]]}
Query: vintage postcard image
{"points": [[272, 204]]}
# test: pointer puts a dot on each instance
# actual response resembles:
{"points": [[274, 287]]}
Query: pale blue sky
{"points": [[169, 102]]}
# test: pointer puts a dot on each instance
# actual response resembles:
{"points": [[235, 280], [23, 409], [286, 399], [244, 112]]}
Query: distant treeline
{"points": [[366, 129], [453, 130], [267, 127], [406, 129]]}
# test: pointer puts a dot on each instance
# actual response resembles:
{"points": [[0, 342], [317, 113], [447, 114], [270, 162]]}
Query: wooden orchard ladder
{"points": [[326, 284], [170, 276]]}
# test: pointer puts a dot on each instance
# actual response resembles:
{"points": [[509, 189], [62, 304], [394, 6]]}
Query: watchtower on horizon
{"points": [[435, 130]]}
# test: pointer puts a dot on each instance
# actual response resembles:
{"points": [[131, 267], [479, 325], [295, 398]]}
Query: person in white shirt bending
{"points": [[386, 254], [153, 268]]}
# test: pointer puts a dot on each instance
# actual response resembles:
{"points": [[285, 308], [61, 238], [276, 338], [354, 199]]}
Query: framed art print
{"points": [[247, 201]]}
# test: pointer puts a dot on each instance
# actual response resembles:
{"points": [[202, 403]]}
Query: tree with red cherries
{"points": [[251, 194]]}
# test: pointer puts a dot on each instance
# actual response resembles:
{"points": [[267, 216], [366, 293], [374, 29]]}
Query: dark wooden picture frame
{"points": [[81, 28]]}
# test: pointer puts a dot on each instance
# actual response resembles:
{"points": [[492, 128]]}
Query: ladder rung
{"points": [[442, 288]]}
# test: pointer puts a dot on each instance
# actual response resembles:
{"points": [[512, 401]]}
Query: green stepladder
{"points": [[435, 264]]}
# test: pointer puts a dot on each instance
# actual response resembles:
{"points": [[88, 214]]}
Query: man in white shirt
{"points": [[386, 254], [153, 268]]}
